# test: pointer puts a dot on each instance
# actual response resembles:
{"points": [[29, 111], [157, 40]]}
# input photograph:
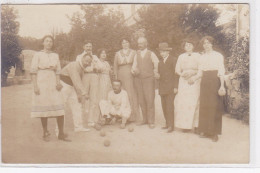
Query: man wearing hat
{"points": [[168, 83], [145, 69]]}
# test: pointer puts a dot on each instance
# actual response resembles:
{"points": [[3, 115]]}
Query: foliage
{"points": [[173, 23], [161, 23], [239, 62], [30, 43], [10, 48], [104, 27]]}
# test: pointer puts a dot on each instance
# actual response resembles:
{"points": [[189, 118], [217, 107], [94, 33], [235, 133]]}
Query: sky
{"points": [[39, 20]]}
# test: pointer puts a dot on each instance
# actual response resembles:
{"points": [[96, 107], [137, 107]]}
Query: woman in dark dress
{"points": [[211, 91]]}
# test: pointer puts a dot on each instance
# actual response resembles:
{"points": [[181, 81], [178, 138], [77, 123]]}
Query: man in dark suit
{"points": [[168, 84]]}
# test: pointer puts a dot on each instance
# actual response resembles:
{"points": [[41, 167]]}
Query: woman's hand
{"points": [[36, 90], [191, 81], [157, 76], [188, 74], [222, 91], [59, 87]]}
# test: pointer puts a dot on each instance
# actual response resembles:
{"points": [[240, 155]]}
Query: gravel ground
{"points": [[22, 143]]}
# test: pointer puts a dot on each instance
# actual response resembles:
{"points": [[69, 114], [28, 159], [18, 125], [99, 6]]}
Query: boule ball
{"points": [[97, 127], [106, 143], [130, 129], [102, 133]]}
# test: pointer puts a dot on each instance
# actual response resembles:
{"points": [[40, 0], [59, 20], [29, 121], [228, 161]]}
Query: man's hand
{"points": [[135, 72], [59, 87], [36, 90]]}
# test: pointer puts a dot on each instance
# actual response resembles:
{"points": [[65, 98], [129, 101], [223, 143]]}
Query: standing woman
{"points": [[122, 69], [187, 98], [211, 91], [47, 101], [104, 76]]}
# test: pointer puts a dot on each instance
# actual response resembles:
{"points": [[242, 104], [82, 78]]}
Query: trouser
{"points": [[109, 110], [70, 97], [146, 95], [91, 83], [168, 108]]}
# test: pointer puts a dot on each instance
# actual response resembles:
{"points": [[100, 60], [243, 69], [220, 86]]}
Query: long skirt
{"points": [[186, 105], [211, 104], [49, 103], [125, 75], [104, 86]]}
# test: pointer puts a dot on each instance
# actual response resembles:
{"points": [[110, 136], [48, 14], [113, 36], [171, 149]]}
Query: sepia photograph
{"points": [[125, 83]]}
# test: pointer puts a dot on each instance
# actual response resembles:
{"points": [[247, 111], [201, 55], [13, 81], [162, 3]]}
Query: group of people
{"points": [[190, 87]]}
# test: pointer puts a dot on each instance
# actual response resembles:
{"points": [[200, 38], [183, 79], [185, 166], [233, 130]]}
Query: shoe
{"points": [[215, 138], [92, 124], [170, 129], [203, 135], [81, 130], [63, 138], [165, 127], [46, 136], [122, 126], [151, 126]]}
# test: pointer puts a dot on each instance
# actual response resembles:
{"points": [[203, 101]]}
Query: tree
{"points": [[9, 41], [103, 26], [201, 20], [162, 23]]}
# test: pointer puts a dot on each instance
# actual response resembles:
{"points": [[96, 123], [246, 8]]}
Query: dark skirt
{"points": [[211, 104]]}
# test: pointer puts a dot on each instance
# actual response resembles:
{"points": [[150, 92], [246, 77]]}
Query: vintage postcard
{"points": [[125, 83]]}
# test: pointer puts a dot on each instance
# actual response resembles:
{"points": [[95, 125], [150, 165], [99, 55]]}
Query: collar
{"points": [[46, 51], [144, 50], [166, 57], [119, 92], [80, 64], [84, 52]]}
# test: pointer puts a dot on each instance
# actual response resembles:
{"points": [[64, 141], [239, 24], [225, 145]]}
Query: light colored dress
{"points": [[50, 102], [122, 68], [104, 80], [186, 102]]}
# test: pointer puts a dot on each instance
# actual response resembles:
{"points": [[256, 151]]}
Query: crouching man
{"points": [[117, 104]]}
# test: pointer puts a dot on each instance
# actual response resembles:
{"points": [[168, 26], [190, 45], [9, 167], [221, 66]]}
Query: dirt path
{"points": [[21, 140]]}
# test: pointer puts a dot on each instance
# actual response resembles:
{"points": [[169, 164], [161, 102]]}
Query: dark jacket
{"points": [[168, 78]]}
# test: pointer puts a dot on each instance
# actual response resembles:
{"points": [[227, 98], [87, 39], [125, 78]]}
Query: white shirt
{"points": [[165, 59], [119, 101], [212, 61]]}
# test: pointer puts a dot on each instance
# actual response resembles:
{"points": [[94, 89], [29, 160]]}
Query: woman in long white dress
{"points": [[187, 99], [47, 101]]}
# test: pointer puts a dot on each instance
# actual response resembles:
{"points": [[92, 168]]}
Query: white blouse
{"points": [[212, 61], [42, 60], [187, 62]]}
